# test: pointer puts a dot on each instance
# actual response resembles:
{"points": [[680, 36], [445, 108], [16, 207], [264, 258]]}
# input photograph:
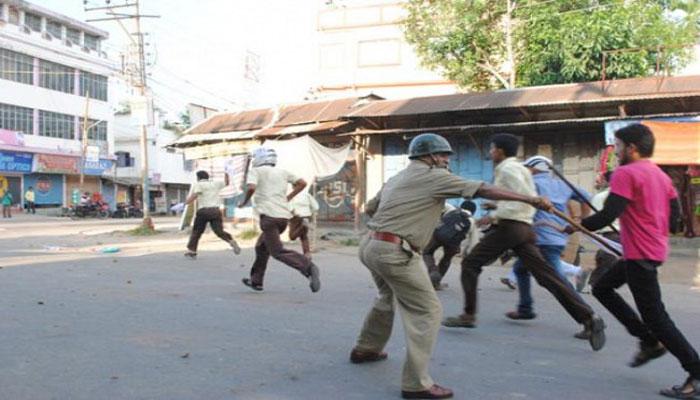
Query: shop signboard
{"points": [[11, 161], [51, 163], [97, 167]]}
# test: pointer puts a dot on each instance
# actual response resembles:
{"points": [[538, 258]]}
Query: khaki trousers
{"points": [[399, 275]]}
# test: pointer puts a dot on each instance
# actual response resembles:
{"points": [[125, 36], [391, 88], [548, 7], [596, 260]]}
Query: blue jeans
{"points": [[550, 253]]}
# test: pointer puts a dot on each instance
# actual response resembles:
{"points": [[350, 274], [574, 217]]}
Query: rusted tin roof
{"points": [[321, 127], [568, 94], [234, 121], [293, 114]]}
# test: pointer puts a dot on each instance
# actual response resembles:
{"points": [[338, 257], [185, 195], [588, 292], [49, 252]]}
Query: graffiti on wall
{"points": [[336, 195]]}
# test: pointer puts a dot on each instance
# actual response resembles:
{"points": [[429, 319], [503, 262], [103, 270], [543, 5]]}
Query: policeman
{"points": [[404, 215]]}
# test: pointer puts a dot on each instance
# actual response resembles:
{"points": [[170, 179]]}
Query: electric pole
{"points": [[138, 81]]}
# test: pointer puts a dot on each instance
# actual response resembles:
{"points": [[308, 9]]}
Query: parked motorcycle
{"points": [[98, 210], [125, 210]]}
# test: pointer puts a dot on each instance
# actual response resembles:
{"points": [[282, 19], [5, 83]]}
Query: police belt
{"points": [[391, 238]]}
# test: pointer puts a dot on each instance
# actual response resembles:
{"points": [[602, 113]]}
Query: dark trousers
{"points": [[269, 244], [6, 211], [657, 325], [31, 206], [604, 260], [520, 237], [448, 252], [208, 215], [297, 230]]}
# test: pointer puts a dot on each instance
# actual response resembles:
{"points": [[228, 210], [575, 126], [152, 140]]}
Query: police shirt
{"points": [[270, 197], [410, 203]]}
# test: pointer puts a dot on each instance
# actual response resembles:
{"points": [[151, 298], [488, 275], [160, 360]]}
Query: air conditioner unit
{"points": [[85, 49], [25, 29], [68, 42], [47, 36]]}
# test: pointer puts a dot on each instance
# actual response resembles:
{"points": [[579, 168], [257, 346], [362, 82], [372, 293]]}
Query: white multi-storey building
{"points": [[362, 50], [168, 172], [53, 73]]}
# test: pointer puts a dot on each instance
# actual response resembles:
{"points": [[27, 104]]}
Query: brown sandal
{"points": [[435, 392]]}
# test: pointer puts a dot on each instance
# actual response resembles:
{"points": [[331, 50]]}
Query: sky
{"points": [[198, 48]]}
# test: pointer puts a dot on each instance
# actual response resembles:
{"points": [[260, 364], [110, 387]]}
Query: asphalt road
{"points": [[145, 323]]}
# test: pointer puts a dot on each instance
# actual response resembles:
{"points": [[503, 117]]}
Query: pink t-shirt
{"points": [[644, 223]]}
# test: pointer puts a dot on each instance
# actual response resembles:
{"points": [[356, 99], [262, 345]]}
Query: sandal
{"points": [[690, 389], [435, 392]]}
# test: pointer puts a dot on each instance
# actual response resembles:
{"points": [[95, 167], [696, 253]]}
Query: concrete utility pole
{"points": [[84, 140], [138, 81]]}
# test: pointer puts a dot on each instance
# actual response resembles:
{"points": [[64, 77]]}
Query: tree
{"points": [[490, 44]]}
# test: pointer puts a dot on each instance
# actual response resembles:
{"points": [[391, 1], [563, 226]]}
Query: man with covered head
{"points": [[267, 185], [512, 223], [404, 215]]}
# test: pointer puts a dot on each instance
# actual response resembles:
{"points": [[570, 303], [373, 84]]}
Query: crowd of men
{"points": [[407, 218]]}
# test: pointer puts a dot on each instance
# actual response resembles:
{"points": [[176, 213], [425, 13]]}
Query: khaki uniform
{"points": [[409, 206]]}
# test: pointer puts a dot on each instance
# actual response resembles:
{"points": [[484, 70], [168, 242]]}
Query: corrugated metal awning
{"points": [[303, 129], [196, 139], [509, 125], [540, 96]]}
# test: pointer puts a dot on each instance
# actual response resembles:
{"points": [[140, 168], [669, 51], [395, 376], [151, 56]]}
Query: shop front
{"points": [[13, 165]]}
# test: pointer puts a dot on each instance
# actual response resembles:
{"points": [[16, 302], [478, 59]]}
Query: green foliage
{"points": [[554, 41], [143, 230], [249, 234]]}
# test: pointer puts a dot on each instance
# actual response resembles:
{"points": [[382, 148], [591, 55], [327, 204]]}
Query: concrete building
{"points": [[362, 50], [169, 174], [53, 73]]}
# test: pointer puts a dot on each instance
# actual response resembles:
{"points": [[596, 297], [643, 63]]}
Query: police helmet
{"points": [[428, 143]]}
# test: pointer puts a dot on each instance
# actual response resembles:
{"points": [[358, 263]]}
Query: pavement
{"points": [[146, 323]]}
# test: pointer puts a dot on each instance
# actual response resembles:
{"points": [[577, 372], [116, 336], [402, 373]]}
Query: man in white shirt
{"points": [[303, 207], [206, 193], [513, 230], [267, 185]]}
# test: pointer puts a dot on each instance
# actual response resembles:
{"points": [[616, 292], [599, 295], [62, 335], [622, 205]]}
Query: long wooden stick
{"points": [[578, 193], [584, 230]]}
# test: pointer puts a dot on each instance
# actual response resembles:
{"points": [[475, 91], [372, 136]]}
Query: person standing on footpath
{"points": [[7, 204], [513, 230], [644, 199], [30, 198], [267, 186], [404, 215], [206, 193], [303, 207]]}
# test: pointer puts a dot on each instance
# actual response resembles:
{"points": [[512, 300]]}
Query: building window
{"points": [[92, 42], [13, 15], [56, 125], [96, 130], [94, 85], [73, 35], [16, 67], [32, 21], [56, 76], [54, 28], [376, 53], [124, 159], [15, 118]]}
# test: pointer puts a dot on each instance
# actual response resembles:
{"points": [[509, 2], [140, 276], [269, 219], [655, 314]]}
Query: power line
{"points": [[235, 103]]}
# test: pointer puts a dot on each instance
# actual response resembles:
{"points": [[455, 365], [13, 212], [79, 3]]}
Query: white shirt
{"points": [[512, 175], [270, 197], [208, 193], [303, 205]]}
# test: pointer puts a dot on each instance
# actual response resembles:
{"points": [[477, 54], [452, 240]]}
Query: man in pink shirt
{"points": [[644, 199]]}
